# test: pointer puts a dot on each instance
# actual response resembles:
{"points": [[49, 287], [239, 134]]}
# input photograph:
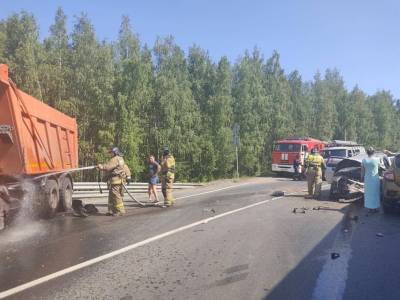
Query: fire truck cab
{"points": [[285, 152]]}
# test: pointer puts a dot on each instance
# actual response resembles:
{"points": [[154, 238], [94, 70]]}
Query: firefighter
{"points": [[167, 177], [117, 175], [314, 166]]}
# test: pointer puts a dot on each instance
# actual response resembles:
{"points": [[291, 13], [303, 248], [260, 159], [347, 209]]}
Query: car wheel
{"points": [[333, 196]]}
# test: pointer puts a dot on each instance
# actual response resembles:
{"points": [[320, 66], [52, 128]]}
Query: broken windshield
{"points": [[334, 152]]}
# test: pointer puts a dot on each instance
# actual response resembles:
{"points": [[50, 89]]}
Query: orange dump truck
{"points": [[38, 145]]}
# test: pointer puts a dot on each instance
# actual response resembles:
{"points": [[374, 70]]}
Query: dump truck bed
{"points": [[34, 137]]}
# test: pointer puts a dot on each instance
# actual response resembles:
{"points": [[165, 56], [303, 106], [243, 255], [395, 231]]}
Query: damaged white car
{"points": [[346, 182]]}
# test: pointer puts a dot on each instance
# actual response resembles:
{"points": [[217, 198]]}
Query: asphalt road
{"points": [[223, 241]]}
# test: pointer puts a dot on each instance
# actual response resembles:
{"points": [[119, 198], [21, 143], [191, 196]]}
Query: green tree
{"points": [[300, 99], [383, 110], [278, 89], [91, 84], [252, 110], [56, 70], [23, 52], [201, 76], [361, 127], [324, 110], [221, 104], [3, 38], [133, 92], [178, 113]]}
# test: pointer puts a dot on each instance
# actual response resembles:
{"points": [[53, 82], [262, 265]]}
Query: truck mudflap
{"points": [[4, 206]]}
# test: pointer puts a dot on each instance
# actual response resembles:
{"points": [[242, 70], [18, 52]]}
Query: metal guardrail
{"points": [[92, 190]]}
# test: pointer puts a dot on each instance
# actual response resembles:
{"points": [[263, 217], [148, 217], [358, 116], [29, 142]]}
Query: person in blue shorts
{"points": [[154, 169]]}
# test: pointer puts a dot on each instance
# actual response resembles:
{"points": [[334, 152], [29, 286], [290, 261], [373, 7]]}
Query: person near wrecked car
{"points": [[314, 165], [297, 166], [117, 175], [388, 158], [370, 176], [154, 169], [390, 153]]}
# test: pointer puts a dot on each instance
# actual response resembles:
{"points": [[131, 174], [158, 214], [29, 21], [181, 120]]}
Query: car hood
{"points": [[355, 161]]}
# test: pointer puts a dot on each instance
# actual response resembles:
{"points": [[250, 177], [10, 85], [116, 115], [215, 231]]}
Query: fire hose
{"points": [[132, 197]]}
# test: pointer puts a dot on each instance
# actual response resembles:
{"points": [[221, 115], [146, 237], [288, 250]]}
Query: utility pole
{"points": [[236, 142]]}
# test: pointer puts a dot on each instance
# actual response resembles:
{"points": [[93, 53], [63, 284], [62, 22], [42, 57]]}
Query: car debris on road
{"points": [[301, 210], [278, 194]]}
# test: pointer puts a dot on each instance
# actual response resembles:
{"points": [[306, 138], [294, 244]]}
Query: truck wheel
{"points": [[51, 199], [4, 206], [2, 214], [66, 194]]}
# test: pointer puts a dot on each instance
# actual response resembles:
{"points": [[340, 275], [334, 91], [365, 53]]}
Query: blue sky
{"points": [[360, 38]]}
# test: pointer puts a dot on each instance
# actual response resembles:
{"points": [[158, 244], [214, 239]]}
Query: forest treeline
{"points": [[143, 97]]}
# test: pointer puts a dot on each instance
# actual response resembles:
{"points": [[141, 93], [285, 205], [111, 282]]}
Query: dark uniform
{"points": [[167, 177], [314, 164], [117, 173]]}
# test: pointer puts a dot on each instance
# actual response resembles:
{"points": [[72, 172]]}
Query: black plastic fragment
{"points": [[335, 255]]}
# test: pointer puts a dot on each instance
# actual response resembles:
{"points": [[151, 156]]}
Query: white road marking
{"points": [[213, 191], [331, 282], [98, 259]]}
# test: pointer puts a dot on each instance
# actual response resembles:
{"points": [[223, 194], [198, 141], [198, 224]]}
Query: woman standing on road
{"points": [[370, 174], [154, 169]]}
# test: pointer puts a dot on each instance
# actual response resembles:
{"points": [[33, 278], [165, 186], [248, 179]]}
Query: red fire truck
{"points": [[285, 152]]}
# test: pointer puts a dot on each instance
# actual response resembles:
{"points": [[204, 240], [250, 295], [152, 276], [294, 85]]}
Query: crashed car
{"points": [[346, 182], [335, 154], [391, 187]]}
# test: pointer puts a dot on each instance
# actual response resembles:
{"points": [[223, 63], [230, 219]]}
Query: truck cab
{"points": [[287, 150]]}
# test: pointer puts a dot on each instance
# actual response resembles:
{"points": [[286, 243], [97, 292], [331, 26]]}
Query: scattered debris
{"points": [[301, 210], [335, 255], [78, 209], [379, 234], [320, 207], [212, 210], [354, 218], [278, 194], [91, 209]]}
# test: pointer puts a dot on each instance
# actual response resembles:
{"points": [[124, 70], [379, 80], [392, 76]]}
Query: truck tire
{"points": [[3, 214], [4, 206], [50, 200], [66, 191]]}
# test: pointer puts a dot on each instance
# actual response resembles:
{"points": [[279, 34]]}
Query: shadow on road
{"points": [[301, 281]]}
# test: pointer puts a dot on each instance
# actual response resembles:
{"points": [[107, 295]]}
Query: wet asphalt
{"points": [[263, 252]]}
